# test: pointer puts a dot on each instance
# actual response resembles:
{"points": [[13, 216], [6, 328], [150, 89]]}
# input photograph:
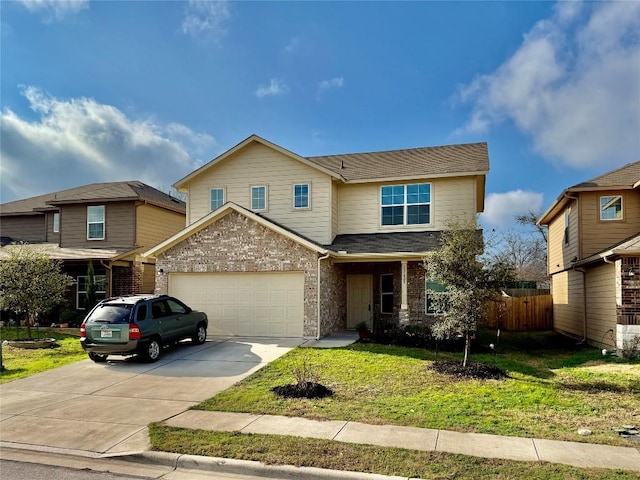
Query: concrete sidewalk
{"points": [[586, 455]]}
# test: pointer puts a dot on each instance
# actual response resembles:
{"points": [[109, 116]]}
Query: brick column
{"points": [[403, 315]]}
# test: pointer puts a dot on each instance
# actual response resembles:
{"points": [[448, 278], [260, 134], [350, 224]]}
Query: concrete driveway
{"points": [[104, 408]]}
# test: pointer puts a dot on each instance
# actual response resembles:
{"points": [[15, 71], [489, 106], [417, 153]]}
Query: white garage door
{"points": [[247, 304]]}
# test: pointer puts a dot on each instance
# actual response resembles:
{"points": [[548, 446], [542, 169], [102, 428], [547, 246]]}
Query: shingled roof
{"points": [[98, 192], [397, 242], [413, 162]]}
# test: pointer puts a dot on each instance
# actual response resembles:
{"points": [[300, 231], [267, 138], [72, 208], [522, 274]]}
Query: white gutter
{"points": [[318, 288]]}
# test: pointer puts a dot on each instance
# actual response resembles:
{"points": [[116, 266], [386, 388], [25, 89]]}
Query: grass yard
{"points": [[553, 389], [308, 452], [19, 363]]}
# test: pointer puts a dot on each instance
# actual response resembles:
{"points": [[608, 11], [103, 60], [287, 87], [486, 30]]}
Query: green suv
{"points": [[139, 324]]}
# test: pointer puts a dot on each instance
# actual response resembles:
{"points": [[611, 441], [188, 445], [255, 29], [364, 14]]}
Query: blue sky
{"points": [[104, 91]]}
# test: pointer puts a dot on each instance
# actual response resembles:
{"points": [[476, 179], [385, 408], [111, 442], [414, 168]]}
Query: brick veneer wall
{"points": [[127, 280], [629, 312], [333, 297], [415, 294], [236, 243]]}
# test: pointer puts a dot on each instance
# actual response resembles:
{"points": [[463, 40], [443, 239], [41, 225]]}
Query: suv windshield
{"points": [[109, 313]]}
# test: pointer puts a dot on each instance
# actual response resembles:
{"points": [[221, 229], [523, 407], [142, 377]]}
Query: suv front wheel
{"points": [[150, 351]]}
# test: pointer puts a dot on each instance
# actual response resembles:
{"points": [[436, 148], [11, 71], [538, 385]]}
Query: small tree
{"points": [[470, 283], [90, 294], [31, 283]]}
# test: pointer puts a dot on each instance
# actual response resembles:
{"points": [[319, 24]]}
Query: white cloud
{"points": [[573, 86], [206, 19], [292, 45], [275, 87], [500, 209], [55, 9], [79, 141], [323, 86]]}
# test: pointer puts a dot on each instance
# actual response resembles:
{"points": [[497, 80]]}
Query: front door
{"points": [[359, 296]]}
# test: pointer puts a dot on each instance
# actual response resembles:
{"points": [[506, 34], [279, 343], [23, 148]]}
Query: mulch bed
{"points": [[479, 371], [303, 390]]}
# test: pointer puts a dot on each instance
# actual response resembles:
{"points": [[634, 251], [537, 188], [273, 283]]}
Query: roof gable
{"points": [[626, 177], [223, 211], [248, 141]]}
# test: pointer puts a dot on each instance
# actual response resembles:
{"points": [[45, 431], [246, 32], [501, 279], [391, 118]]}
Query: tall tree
{"points": [[469, 282], [31, 283]]}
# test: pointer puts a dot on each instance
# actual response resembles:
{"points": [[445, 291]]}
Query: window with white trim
{"points": [[405, 204], [258, 198], [567, 222], [611, 207], [217, 198], [95, 222], [81, 292], [56, 222], [434, 295], [386, 293], [301, 195]]}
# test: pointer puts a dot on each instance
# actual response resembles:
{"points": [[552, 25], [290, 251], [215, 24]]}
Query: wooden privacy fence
{"points": [[521, 313]]}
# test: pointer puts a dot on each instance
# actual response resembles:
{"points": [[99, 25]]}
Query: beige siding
{"points": [[568, 305], [27, 228], [259, 165], [560, 253], [335, 210], [119, 226], [155, 224], [148, 278], [601, 305], [52, 237], [598, 235], [451, 199]]}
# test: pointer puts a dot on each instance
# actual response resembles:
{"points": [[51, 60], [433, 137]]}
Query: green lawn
{"points": [[553, 389], [19, 363], [285, 450]]}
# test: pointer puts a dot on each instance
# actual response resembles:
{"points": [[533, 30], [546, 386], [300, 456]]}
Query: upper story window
{"points": [[56, 222], [406, 204], [611, 207], [95, 222], [301, 195], [217, 198], [567, 215], [259, 198]]}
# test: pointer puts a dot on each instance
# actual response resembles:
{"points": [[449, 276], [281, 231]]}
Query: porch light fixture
{"points": [[631, 272]]}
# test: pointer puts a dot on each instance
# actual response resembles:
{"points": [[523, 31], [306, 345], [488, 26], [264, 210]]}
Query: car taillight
{"points": [[83, 331], [134, 332]]}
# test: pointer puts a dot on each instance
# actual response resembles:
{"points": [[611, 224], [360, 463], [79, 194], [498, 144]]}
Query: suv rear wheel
{"points": [[150, 351]]}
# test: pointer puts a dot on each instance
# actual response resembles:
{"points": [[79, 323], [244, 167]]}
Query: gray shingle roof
{"points": [[110, 191], [410, 242], [413, 162], [624, 176]]}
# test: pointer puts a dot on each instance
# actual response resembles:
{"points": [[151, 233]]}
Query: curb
{"points": [[248, 467]]}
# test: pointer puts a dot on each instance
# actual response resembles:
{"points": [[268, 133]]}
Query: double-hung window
{"points": [[567, 224], [259, 198], [56, 222], [100, 282], [301, 195], [611, 207], [435, 295], [95, 222], [406, 204], [386, 293], [216, 198]]}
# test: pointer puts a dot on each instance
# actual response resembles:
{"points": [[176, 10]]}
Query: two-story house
{"points": [[594, 258], [108, 224], [283, 245]]}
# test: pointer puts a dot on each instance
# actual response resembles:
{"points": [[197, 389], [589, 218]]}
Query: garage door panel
{"points": [[247, 304]]}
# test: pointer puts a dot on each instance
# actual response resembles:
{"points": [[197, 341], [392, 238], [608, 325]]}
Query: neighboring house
{"points": [[594, 258], [283, 245], [108, 224]]}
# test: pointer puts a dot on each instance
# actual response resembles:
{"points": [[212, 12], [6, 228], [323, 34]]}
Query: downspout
{"points": [[584, 304], [109, 278], [318, 288]]}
